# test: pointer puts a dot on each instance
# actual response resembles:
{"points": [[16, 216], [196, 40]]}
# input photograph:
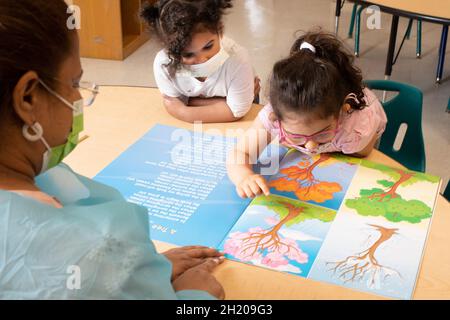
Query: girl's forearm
{"points": [[238, 166], [201, 102], [219, 111]]}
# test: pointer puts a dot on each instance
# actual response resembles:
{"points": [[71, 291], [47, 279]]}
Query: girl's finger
{"points": [[263, 185], [248, 191], [241, 192], [255, 188]]}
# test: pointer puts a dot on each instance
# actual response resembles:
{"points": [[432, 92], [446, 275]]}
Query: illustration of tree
{"points": [[388, 202], [356, 267], [268, 245], [300, 180]]}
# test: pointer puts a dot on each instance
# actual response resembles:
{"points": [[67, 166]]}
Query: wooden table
{"points": [[121, 115], [435, 11]]}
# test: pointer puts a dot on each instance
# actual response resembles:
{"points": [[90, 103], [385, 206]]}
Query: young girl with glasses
{"points": [[318, 103]]}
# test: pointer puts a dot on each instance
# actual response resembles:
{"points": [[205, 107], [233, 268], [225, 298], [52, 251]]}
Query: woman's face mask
{"points": [[54, 156]]}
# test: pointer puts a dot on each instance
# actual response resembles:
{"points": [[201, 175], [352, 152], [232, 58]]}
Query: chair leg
{"points": [[352, 21], [442, 48], [358, 30], [419, 39], [338, 14], [408, 30]]}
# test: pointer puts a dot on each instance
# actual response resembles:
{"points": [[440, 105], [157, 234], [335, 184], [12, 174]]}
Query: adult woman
{"points": [[63, 235]]}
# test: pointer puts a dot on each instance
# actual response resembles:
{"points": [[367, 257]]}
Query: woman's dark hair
{"points": [[175, 21], [33, 37], [316, 84]]}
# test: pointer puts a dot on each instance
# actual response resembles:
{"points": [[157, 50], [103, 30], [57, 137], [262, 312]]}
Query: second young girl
{"points": [[318, 104], [202, 75]]}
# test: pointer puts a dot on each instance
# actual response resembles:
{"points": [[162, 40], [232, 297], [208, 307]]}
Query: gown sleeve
{"points": [[95, 247]]}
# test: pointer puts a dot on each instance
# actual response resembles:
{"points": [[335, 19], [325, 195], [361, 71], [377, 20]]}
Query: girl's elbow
{"points": [[363, 153]]}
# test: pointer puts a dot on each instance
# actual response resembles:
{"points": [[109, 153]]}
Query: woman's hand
{"points": [[200, 278], [185, 258], [252, 185]]}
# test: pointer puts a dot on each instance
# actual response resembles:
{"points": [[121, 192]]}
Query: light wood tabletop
{"points": [[428, 9], [121, 115]]}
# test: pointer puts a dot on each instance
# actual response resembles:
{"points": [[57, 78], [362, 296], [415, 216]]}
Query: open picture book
{"points": [[329, 217]]}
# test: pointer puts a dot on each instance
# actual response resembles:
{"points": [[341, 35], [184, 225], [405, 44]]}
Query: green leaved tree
{"points": [[385, 200]]}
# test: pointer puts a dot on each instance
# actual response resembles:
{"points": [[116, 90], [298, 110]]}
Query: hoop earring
{"points": [[36, 128]]}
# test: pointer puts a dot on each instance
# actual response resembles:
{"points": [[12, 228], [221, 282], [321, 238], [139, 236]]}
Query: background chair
{"points": [[404, 108], [446, 193]]}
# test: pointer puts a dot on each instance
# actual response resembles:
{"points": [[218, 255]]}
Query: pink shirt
{"points": [[356, 129]]}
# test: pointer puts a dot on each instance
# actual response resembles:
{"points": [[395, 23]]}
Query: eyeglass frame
{"points": [[92, 87], [284, 136]]}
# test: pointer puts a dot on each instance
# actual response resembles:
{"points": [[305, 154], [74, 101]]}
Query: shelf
{"points": [[111, 29]]}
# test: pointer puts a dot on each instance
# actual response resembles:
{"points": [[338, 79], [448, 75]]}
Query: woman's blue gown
{"points": [[96, 247]]}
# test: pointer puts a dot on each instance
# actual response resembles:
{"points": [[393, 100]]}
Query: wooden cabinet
{"points": [[111, 29]]}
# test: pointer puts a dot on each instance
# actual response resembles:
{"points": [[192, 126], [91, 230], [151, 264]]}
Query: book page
{"points": [[180, 176], [341, 220]]}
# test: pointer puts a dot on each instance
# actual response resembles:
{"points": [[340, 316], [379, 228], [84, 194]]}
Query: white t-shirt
{"points": [[234, 80]]}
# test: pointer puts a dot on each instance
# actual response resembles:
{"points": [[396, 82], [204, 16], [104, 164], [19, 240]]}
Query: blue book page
{"points": [[180, 177]]}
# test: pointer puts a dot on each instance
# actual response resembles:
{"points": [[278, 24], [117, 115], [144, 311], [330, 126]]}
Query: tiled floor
{"points": [[267, 28]]}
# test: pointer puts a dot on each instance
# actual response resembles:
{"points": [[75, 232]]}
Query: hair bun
{"points": [[150, 12], [224, 4]]}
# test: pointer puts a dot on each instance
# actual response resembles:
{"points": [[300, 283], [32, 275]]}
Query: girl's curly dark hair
{"points": [[176, 20], [316, 84]]}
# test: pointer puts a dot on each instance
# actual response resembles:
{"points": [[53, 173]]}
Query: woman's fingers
{"points": [[204, 253], [211, 263], [194, 247]]}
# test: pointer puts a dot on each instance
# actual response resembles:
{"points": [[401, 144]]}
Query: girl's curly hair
{"points": [[316, 84], [175, 21]]}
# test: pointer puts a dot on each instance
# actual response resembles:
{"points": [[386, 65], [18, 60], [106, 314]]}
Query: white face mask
{"points": [[319, 149], [206, 69]]}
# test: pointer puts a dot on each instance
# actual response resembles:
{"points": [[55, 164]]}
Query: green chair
{"points": [[404, 108], [446, 193]]}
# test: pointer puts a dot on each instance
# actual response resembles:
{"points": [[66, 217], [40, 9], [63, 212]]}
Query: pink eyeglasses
{"points": [[300, 139]]}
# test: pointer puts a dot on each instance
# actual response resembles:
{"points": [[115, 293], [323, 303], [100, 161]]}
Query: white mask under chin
{"points": [[319, 149], [206, 69]]}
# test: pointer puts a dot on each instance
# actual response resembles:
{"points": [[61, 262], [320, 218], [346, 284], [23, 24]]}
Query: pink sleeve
{"points": [[264, 117], [361, 126]]}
